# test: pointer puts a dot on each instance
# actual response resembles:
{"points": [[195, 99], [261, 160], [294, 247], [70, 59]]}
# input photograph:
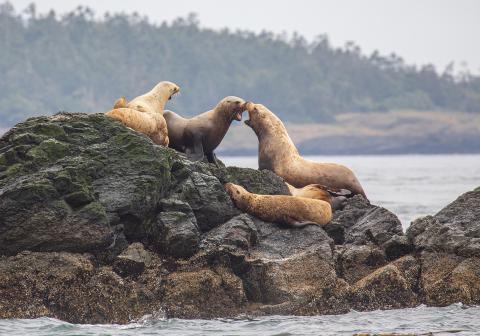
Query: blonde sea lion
{"points": [[320, 192], [200, 135], [276, 152], [145, 113], [290, 210]]}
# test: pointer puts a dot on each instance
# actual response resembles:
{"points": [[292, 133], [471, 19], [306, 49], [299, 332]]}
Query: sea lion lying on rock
{"points": [[336, 198], [290, 210], [144, 113], [278, 154], [200, 135]]}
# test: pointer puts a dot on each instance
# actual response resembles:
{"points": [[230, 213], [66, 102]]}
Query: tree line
{"points": [[75, 62]]}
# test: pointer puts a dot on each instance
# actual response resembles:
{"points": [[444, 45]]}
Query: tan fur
{"points": [[315, 191], [145, 113], [278, 153], [120, 103], [290, 210]]}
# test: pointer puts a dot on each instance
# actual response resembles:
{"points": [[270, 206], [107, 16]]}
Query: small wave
{"points": [[456, 319]]}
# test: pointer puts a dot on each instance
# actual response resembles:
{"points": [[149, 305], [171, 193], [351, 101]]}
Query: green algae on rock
{"points": [[99, 225]]}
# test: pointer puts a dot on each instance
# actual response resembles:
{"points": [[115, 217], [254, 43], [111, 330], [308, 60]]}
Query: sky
{"points": [[421, 31]]}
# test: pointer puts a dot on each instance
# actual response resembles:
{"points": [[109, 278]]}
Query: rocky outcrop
{"points": [[97, 224]]}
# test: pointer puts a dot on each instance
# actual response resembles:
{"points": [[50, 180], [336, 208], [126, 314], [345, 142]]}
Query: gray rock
{"points": [[397, 246], [238, 233], [455, 229], [132, 261], [354, 262], [86, 184], [359, 222], [176, 232]]}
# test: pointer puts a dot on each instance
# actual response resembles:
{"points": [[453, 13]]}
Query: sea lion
{"points": [[120, 103], [283, 209], [145, 113], [336, 198], [276, 152], [200, 135]]}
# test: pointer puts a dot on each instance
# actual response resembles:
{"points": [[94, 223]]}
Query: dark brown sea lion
{"points": [[200, 135], [289, 210], [278, 154], [145, 113]]}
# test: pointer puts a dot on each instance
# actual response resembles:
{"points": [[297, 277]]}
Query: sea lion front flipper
{"points": [[212, 158], [194, 150]]}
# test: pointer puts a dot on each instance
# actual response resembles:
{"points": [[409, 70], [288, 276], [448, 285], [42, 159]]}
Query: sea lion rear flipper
{"points": [[302, 224], [294, 222]]}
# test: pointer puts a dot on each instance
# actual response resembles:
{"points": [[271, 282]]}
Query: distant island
{"points": [[334, 100]]}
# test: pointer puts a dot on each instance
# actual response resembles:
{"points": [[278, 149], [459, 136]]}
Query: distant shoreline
{"points": [[252, 154]]}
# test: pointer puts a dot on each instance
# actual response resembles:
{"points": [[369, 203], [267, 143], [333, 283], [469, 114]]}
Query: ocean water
{"points": [[452, 320], [409, 185]]}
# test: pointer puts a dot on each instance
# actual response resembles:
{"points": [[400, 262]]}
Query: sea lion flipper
{"points": [[302, 224], [120, 103], [212, 158], [194, 146]]}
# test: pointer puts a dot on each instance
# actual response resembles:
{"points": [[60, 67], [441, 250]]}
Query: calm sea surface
{"points": [[409, 185]]}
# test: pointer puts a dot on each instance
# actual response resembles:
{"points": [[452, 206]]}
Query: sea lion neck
{"points": [[224, 113], [274, 147], [159, 100]]}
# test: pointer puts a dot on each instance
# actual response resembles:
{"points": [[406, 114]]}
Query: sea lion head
{"points": [[232, 107], [237, 194], [336, 197], [166, 90], [261, 119]]}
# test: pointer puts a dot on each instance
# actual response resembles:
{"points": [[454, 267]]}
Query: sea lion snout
{"points": [[250, 107], [239, 109]]}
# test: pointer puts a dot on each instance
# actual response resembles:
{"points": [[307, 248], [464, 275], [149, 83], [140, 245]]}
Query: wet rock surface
{"points": [[99, 225]]}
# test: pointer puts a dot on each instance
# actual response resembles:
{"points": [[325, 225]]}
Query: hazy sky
{"points": [[421, 31]]}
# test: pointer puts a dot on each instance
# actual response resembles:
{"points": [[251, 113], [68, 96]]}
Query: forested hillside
{"points": [[76, 63]]}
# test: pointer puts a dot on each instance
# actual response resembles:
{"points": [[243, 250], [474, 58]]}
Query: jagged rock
{"points": [[287, 265], [132, 260], [357, 261], [359, 223], [159, 233], [239, 232], [455, 229], [176, 232], [388, 287], [67, 179], [397, 246], [254, 181], [203, 293], [448, 278], [68, 286]]}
